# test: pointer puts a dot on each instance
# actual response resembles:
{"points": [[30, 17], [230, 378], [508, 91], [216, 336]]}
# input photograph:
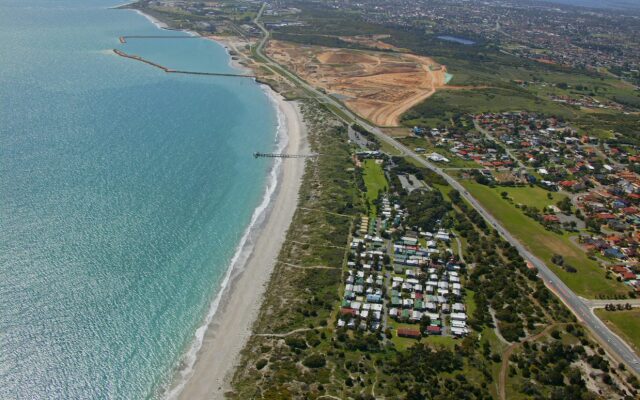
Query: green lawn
{"points": [[374, 181], [624, 323], [531, 196], [588, 282], [470, 302]]}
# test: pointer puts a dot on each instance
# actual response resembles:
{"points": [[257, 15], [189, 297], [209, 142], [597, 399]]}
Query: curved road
{"points": [[612, 342]]}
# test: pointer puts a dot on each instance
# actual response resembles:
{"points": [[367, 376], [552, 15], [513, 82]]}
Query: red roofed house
{"points": [[433, 330], [409, 332], [567, 184], [346, 311], [618, 269], [551, 218]]}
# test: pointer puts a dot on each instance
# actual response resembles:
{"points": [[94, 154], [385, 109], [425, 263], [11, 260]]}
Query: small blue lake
{"points": [[456, 39]]}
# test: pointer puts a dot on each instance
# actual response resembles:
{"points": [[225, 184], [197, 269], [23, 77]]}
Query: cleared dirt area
{"points": [[373, 41], [379, 86]]}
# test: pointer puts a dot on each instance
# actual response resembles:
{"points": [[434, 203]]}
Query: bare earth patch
{"points": [[378, 86]]}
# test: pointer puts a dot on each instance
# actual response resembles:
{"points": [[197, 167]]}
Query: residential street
{"points": [[607, 338]]}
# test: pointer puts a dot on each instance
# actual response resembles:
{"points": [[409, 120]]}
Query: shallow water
{"points": [[124, 192]]}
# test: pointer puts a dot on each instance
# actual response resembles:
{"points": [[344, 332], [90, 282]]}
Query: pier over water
{"points": [[282, 155], [123, 39], [175, 71]]}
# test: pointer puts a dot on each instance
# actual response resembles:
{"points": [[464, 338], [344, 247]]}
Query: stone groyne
{"points": [[175, 71]]}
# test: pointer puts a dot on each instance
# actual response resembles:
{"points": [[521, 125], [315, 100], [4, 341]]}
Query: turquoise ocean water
{"points": [[124, 192]]}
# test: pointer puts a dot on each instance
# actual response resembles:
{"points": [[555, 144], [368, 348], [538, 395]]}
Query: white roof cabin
{"points": [[432, 316], [458, 307], [459, 331], [459, 324], [458, 317], [409, 240]]}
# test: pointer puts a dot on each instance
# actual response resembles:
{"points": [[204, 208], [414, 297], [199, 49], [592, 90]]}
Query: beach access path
{"points": [[232, 324]]}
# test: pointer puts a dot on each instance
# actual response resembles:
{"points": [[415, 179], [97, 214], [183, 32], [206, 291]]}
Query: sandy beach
{"points": [[237, 307], [231, 325], [238, 60]]}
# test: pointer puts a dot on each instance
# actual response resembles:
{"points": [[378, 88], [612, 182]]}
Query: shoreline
{"points": [[208, 364], [227, 331], [229, 46], [158, 24]]}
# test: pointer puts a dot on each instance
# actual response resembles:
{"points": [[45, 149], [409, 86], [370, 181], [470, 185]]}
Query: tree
{"points": [[557, 259], [564, 205], [314, 361]]}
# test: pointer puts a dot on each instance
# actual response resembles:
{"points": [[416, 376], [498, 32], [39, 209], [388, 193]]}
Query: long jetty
{"points": [[123, 39], [175, 71], [279, 155]]}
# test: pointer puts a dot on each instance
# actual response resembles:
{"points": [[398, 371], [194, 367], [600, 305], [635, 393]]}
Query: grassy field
{"points": [[588, 282], [531, 196], [374, 181], [402, 343], [624, 323]]}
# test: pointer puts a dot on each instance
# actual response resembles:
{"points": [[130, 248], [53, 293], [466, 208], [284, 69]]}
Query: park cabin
{"points": [[458, 317], [409, 333], [434, 330]]}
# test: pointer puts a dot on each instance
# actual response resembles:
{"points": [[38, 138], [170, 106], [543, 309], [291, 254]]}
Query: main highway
{"points": [[610, 341]]}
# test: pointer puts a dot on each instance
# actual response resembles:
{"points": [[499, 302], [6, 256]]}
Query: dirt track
{"points": [[379, 86]]}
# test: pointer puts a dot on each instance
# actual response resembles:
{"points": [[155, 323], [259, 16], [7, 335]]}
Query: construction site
{"points": [[378, 86]]}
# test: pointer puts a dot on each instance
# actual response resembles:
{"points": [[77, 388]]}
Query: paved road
{"points": [[616, 346], [489, 136]]}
